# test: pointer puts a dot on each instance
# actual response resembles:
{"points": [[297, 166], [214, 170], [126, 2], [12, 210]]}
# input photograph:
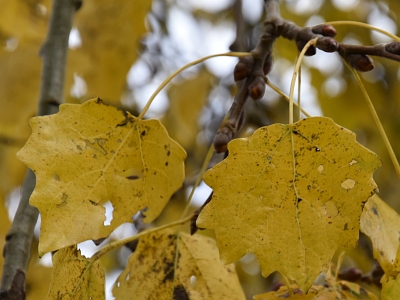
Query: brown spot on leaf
{"points": [[180, 293], [375, 211], [132, 177]]}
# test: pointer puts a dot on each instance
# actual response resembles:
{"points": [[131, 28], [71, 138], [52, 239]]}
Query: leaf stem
{"points": [[378, 123], [282, 94], [295, 72], [199, 178], [119, 243], [364, 25], [193, 63]]}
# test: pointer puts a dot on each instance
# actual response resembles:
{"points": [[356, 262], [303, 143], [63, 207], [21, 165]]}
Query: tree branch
{"points": [[252, 69], [19, 238]]}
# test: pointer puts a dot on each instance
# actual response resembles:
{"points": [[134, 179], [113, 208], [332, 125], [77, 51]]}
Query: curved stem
{"points": [[295, 72], [193, 63], [119, 243], [282, 94], [199, 178], [364, 25], [378, 123]]}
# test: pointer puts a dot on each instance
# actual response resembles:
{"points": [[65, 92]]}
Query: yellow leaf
{"points": [[177, 266], [381, 224], [284, 293], [292, 195], [74, 277], [390, 287], [24, 20], [89, 154], [187, 99], [109, 48]]}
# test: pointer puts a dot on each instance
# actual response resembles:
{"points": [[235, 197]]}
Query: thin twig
{"points": [[19, 238]]}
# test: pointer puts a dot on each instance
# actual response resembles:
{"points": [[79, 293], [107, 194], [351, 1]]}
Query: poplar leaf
{"points": [[177, 266], [74, 277], [381, 224], [292, 194], [89, 154], [390, 287]]}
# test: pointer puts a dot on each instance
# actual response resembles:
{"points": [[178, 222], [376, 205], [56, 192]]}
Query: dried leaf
{"points": [[177, 266], [381, 224], [292, 195], [89, 154], [74, 277]]}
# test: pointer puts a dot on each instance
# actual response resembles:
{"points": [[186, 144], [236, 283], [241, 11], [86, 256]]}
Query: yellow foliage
{"points": [[110, 32], [187, 101], [74, 277], [177, 266], [390, 287], [24, 20], [89, 154], [381, 224], [290, 194]]}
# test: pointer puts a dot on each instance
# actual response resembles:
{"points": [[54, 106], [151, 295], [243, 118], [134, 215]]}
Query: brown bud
{"points": [[221, 140], [351, 274], [243, 68], [327, 44], [393, 48], [360, 62], [257, 88], [325, 30], [310, 51], [269, 61]]}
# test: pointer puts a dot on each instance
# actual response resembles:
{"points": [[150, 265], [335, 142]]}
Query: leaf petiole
{"points": [[365, 25], [193, 63], [295, 72], [119, 243], [378, 123]]}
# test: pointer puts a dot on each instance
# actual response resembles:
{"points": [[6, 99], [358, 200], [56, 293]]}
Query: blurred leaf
{"points": [[110, 32], [390, 287], [382, 225], [88, 154], [24, 20], [290, 194], [187, 101], [74, 277], [177, 266]]}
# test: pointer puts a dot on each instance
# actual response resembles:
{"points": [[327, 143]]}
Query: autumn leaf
{"points": [[390, 287], [381, 224], [89, 154], [104, 58], [292, 194], [177, 266], [75, 277]]}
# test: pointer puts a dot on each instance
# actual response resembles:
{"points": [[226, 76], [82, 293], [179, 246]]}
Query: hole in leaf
{"points": [[128, 276], [353, 162], [348, 184], [109, 213], [193, 281], [320, 168], [331, 209], [132, 174]]}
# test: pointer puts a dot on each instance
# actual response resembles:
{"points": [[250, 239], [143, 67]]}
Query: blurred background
{"points": [[122, 50]]}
